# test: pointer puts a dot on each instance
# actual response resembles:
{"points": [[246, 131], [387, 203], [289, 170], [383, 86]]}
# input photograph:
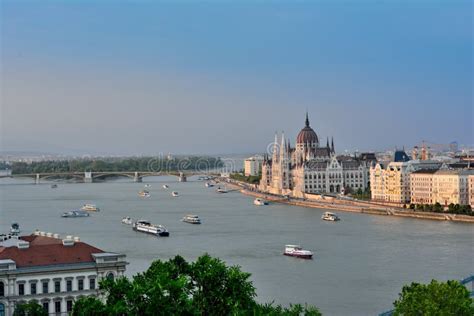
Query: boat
{"points": [[174, 194], [144, 193], [147, 185], [260, 202], [54, 186], [165, 186], [297, 251], [75, 213], [192, 219], [127, 220], [220, 190], [90, 208], [328, 216], [145, 226], [209, 185], [15, 229]]}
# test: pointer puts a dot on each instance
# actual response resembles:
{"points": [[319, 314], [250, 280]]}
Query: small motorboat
{"points": [[145, 226], [90, 208], [165, 186], [144, 194], [191, 219], [260, 202], [15, 229], [147, 186], [127, 220], [220, 190], [174, 194], [297, 251], [328, 216], [54, 186], [209, 185], [75, 213]]}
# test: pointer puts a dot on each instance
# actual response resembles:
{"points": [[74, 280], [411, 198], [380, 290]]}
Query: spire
{"points": [[327, 143], [332, 144], [307, 120], [275, 148]]}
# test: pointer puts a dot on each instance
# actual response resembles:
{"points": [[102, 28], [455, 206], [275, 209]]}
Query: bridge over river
{"points": [[91, 176]]}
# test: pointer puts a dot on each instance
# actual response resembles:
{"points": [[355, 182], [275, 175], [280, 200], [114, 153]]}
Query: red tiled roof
{"points": [[48, 251]]}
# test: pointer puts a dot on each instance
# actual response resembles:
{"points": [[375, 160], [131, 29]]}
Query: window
{"points": [[92, 284], [110, 275], [2, 309], [46, 307], [69, 285], [69, 305], [33, 288], [21, 289], [2, 289], [57, 306], [45, 287], [80, 284], [57, 286]]}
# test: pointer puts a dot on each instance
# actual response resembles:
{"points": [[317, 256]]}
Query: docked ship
{"points": [[297, 251], [328, 216], [260, 202], [174, 194], [127, 220], [90, 208], [191, 219], [149, 228], [75, 213], [144, 193]]}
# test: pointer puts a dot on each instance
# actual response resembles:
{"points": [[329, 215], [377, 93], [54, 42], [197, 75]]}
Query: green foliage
{"points": [[452, 208], [176, 287], [248, 179], [437, 298], [30, 309]]}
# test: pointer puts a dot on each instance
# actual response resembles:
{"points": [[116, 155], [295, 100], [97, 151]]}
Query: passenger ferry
{"points": [[328, 216], [260, 202], [192, 219], [127, 220], [297, 251], [15, 229], [90, 208], [144, 194], [75, 213], [149, 228], [165, 186], [174, 194]]}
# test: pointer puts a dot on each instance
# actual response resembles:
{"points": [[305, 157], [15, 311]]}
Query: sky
{"points": [[210, 77]]}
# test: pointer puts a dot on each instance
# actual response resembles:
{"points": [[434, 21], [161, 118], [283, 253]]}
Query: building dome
{"points": [[307, 134]]}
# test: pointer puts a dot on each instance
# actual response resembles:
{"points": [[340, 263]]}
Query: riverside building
{"points": [[51, 271]]}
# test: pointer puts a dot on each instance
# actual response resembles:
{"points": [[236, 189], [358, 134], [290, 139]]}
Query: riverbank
{"points": [[355, 206]]}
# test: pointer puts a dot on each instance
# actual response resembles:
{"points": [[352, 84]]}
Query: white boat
{"points": [[149, 228], [127, 220], [297, 251], [147, 185], [192, 219], [75, 213], [174, 194], [260, 202], [144, 194], [209, 185], [220, 190], [328, 216], [90, 208], [15, 229], [165, 186]]}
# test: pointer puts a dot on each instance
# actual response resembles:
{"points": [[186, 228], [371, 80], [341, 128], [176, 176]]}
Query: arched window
{"points": [[2, 289], [110, 276], [2, 309]]}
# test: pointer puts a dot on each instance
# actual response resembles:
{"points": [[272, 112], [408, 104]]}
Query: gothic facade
{"points": [[309, 168]]}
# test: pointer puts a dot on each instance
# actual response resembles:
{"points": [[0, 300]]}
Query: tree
{"points": [[437, 207], [176, 287], [437, 298], [30, 309]]}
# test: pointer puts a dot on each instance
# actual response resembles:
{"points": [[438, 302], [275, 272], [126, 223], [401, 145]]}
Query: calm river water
{"points": [[361, 262]]}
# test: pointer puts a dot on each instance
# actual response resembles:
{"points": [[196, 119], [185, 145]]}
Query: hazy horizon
{"points": [[135, 78]]}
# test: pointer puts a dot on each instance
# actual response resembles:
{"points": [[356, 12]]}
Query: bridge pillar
{"points": [[37, 179], [88, 177], [137, 178], [182, 177]]}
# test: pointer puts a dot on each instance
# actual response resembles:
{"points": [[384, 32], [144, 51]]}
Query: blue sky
{"points": [[143, 77]]}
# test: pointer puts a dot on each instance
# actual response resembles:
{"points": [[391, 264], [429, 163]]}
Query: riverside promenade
{"points": [[346, 205]]}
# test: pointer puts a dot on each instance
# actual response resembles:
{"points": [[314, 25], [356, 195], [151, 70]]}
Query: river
{"points": [[360, 263]]}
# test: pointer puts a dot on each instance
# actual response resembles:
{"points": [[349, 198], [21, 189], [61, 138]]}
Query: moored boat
{"points": [[127, 220], [329, 216], [90, 208], [15, 229], [174, 194], [260, 202], [297, 251], [192, 219], [209, 185], [220, 190], [145, 226], [75, 213]]}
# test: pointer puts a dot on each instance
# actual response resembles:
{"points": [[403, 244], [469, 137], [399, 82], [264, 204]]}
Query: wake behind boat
{"points": [[75, 213], [297, 251], [209, 185], [145, 226], [165, 186]]}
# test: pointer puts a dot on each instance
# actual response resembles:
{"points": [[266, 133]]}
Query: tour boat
{"points": [[165, 186], [220, 190], [144, 193], [149, 228], [174, 194], [209, 185], [328, 216], [192, 219], [90, 208], [260, 202], [75, 213], [54, 186], [15, 229], [297, 251], [127, 220]]}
